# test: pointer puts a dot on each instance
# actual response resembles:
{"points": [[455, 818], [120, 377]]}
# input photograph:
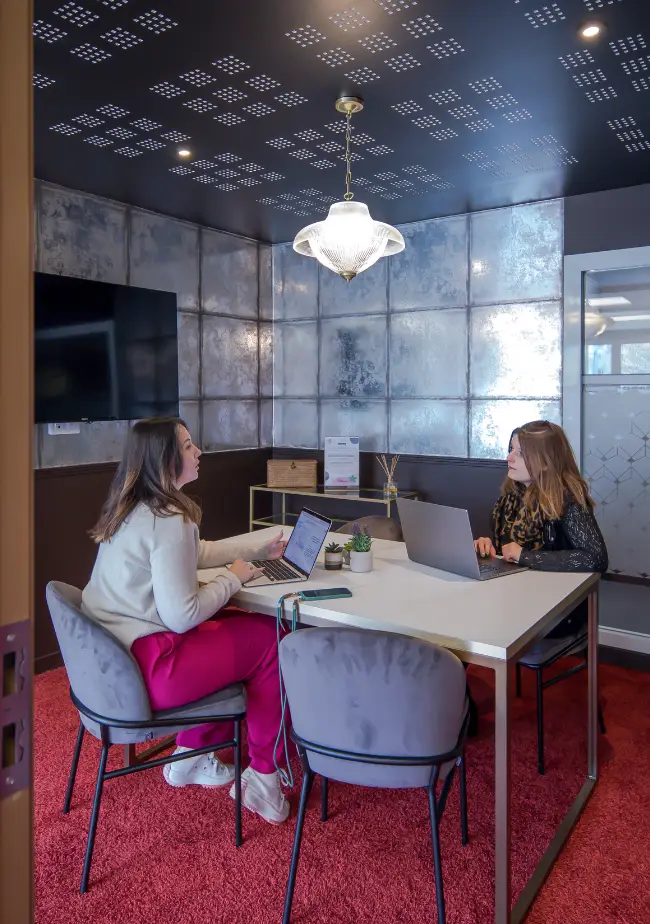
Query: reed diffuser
{"points": [[388, 467]]}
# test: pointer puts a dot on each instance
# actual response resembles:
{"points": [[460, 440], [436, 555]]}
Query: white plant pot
{"points": [[360, 561]]}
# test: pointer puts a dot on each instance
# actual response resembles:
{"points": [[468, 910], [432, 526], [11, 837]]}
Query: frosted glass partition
{"points": [[607, 399]]}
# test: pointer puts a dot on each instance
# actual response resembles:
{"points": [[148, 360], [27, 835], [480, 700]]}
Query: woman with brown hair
{"points": [[544, 518], [187, 640]]}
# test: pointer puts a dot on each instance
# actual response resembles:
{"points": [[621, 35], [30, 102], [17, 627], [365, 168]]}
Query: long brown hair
{"points": [[552, 468], [152, 461]]}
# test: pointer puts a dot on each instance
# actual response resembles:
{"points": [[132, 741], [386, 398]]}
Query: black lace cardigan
{"points": [[572, 543]]}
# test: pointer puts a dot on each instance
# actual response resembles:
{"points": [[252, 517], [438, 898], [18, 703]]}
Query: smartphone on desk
{"points": [[329, 593]]}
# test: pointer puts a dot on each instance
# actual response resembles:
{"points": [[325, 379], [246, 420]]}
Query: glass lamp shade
{"points": [[349, 240]]}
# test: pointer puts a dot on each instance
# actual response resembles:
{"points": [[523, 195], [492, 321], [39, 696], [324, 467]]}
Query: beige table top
{"points": [[493, 619]]}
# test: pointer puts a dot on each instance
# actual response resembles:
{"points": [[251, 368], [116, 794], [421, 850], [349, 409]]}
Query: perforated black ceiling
{"points": [[469, 104]]}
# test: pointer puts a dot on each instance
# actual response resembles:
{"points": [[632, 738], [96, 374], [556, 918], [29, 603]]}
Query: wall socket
{"points": [[63, 429]]}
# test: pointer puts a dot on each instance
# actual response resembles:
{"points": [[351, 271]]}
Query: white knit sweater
{"points": [[144, 579]]}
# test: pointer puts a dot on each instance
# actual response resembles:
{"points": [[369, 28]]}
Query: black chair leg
{"points": [[518, 681], [307, 780], [601, 721], [323, 798], [540, 724], [463, 802], [94, 818], [238, 837], [73, 769], [437, 861]]}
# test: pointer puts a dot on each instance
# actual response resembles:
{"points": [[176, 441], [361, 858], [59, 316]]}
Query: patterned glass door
{"points": [[616, 411]]}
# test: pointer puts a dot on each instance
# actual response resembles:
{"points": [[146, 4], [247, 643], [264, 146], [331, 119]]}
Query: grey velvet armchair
{"points": [[376, 709], [107, 689]]}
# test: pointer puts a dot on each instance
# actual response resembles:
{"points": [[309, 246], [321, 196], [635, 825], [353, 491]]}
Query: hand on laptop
{"points": [[244, 571], [511, 552], [276, 547], [484, 548]]}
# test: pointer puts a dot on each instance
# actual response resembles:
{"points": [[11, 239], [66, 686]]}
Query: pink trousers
{"points": [[234, 646]]}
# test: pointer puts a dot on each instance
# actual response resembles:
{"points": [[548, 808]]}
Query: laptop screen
{"points": [[306, 540]]}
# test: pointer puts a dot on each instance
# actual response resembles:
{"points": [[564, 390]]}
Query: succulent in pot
{"points": [[333, 557], [360, 549]]}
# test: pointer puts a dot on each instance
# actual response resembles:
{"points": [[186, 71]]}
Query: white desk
{"points": [[491, 623]]}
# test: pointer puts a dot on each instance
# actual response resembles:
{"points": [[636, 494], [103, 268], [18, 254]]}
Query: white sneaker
{"points": [[262, 794], [202, 770]]}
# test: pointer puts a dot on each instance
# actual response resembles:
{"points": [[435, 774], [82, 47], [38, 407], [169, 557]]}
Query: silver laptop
{"points": [[300, 555], [441, 537]]}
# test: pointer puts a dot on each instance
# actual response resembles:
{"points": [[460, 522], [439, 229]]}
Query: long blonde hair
{"points": [[152, 461], [552, 467]]}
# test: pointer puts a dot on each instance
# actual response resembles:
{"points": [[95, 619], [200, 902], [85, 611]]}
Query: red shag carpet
{"points": [[168, 855]]}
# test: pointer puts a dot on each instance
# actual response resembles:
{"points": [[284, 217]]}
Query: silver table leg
{"points": [[592, 669], [502, 794], [567, 824]]}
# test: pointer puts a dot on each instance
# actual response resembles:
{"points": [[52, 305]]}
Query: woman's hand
{"points": [[484, 548], [244, 571], [511, 552], [276, 547]]}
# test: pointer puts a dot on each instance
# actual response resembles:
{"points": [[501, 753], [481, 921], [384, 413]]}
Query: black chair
{"points": [[107, 689], [548, 652], [376, 709]]}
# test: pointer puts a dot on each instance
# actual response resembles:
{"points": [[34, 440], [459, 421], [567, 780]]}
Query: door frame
{"points": [[16, 458]]}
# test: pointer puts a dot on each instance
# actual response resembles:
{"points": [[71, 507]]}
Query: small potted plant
{"points": [[333, 557], [360, 550]]}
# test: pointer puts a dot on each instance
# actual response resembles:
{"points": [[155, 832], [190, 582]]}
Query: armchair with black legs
{"points": [[107, 689], [376, 709]]}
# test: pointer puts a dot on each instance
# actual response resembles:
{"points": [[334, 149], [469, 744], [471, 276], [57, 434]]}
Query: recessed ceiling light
{"points": [[184, 152], [590, 29], [607, 301]]}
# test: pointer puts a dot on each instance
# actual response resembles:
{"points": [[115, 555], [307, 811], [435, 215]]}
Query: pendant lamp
{"points": [[349, 240]]}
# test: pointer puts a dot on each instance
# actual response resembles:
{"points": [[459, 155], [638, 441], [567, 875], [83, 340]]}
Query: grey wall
{"points": [[609, 220], [222, 284], [441, 350]]}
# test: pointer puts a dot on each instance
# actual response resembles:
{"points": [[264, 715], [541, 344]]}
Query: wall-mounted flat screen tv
{"points": [[103, 351]]}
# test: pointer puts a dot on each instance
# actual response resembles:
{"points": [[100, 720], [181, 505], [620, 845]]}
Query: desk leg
{"points": [[251, 505], [502, 794], [129, 755], [592, 669]]}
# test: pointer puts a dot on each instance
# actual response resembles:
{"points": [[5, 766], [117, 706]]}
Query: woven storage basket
{"points": [[289, 473]]}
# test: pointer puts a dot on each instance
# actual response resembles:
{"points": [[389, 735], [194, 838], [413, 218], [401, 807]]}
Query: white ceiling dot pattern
{"points": [[505, 96]]}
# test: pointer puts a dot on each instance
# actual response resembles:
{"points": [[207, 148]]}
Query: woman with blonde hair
{"points": [[188, 641], [544, 518]]}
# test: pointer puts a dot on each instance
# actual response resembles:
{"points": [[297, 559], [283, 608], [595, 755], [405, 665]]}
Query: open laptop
{"points": [[300, 555], [441, 537]]}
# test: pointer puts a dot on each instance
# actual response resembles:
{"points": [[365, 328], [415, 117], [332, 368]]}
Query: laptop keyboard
{"points": [[489, 569], [276, 570]]}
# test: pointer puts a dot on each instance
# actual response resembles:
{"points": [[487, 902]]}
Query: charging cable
{"points": [[286, 776]]}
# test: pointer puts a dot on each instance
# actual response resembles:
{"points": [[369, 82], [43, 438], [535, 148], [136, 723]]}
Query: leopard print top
{"points": [[572, 543], [514, 521]]}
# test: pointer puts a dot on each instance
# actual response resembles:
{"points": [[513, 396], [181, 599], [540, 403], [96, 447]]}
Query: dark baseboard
{"points": [[621, 657], [626, 579], [48, 662]]}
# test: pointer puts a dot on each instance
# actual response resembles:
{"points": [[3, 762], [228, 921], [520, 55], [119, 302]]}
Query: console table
{"points": [[370, 496]]}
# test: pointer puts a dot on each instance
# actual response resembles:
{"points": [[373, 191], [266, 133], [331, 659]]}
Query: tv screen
{"points": [[103, 351]]}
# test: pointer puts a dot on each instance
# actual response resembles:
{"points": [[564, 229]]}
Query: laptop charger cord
{"points": [[286, 775]]}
